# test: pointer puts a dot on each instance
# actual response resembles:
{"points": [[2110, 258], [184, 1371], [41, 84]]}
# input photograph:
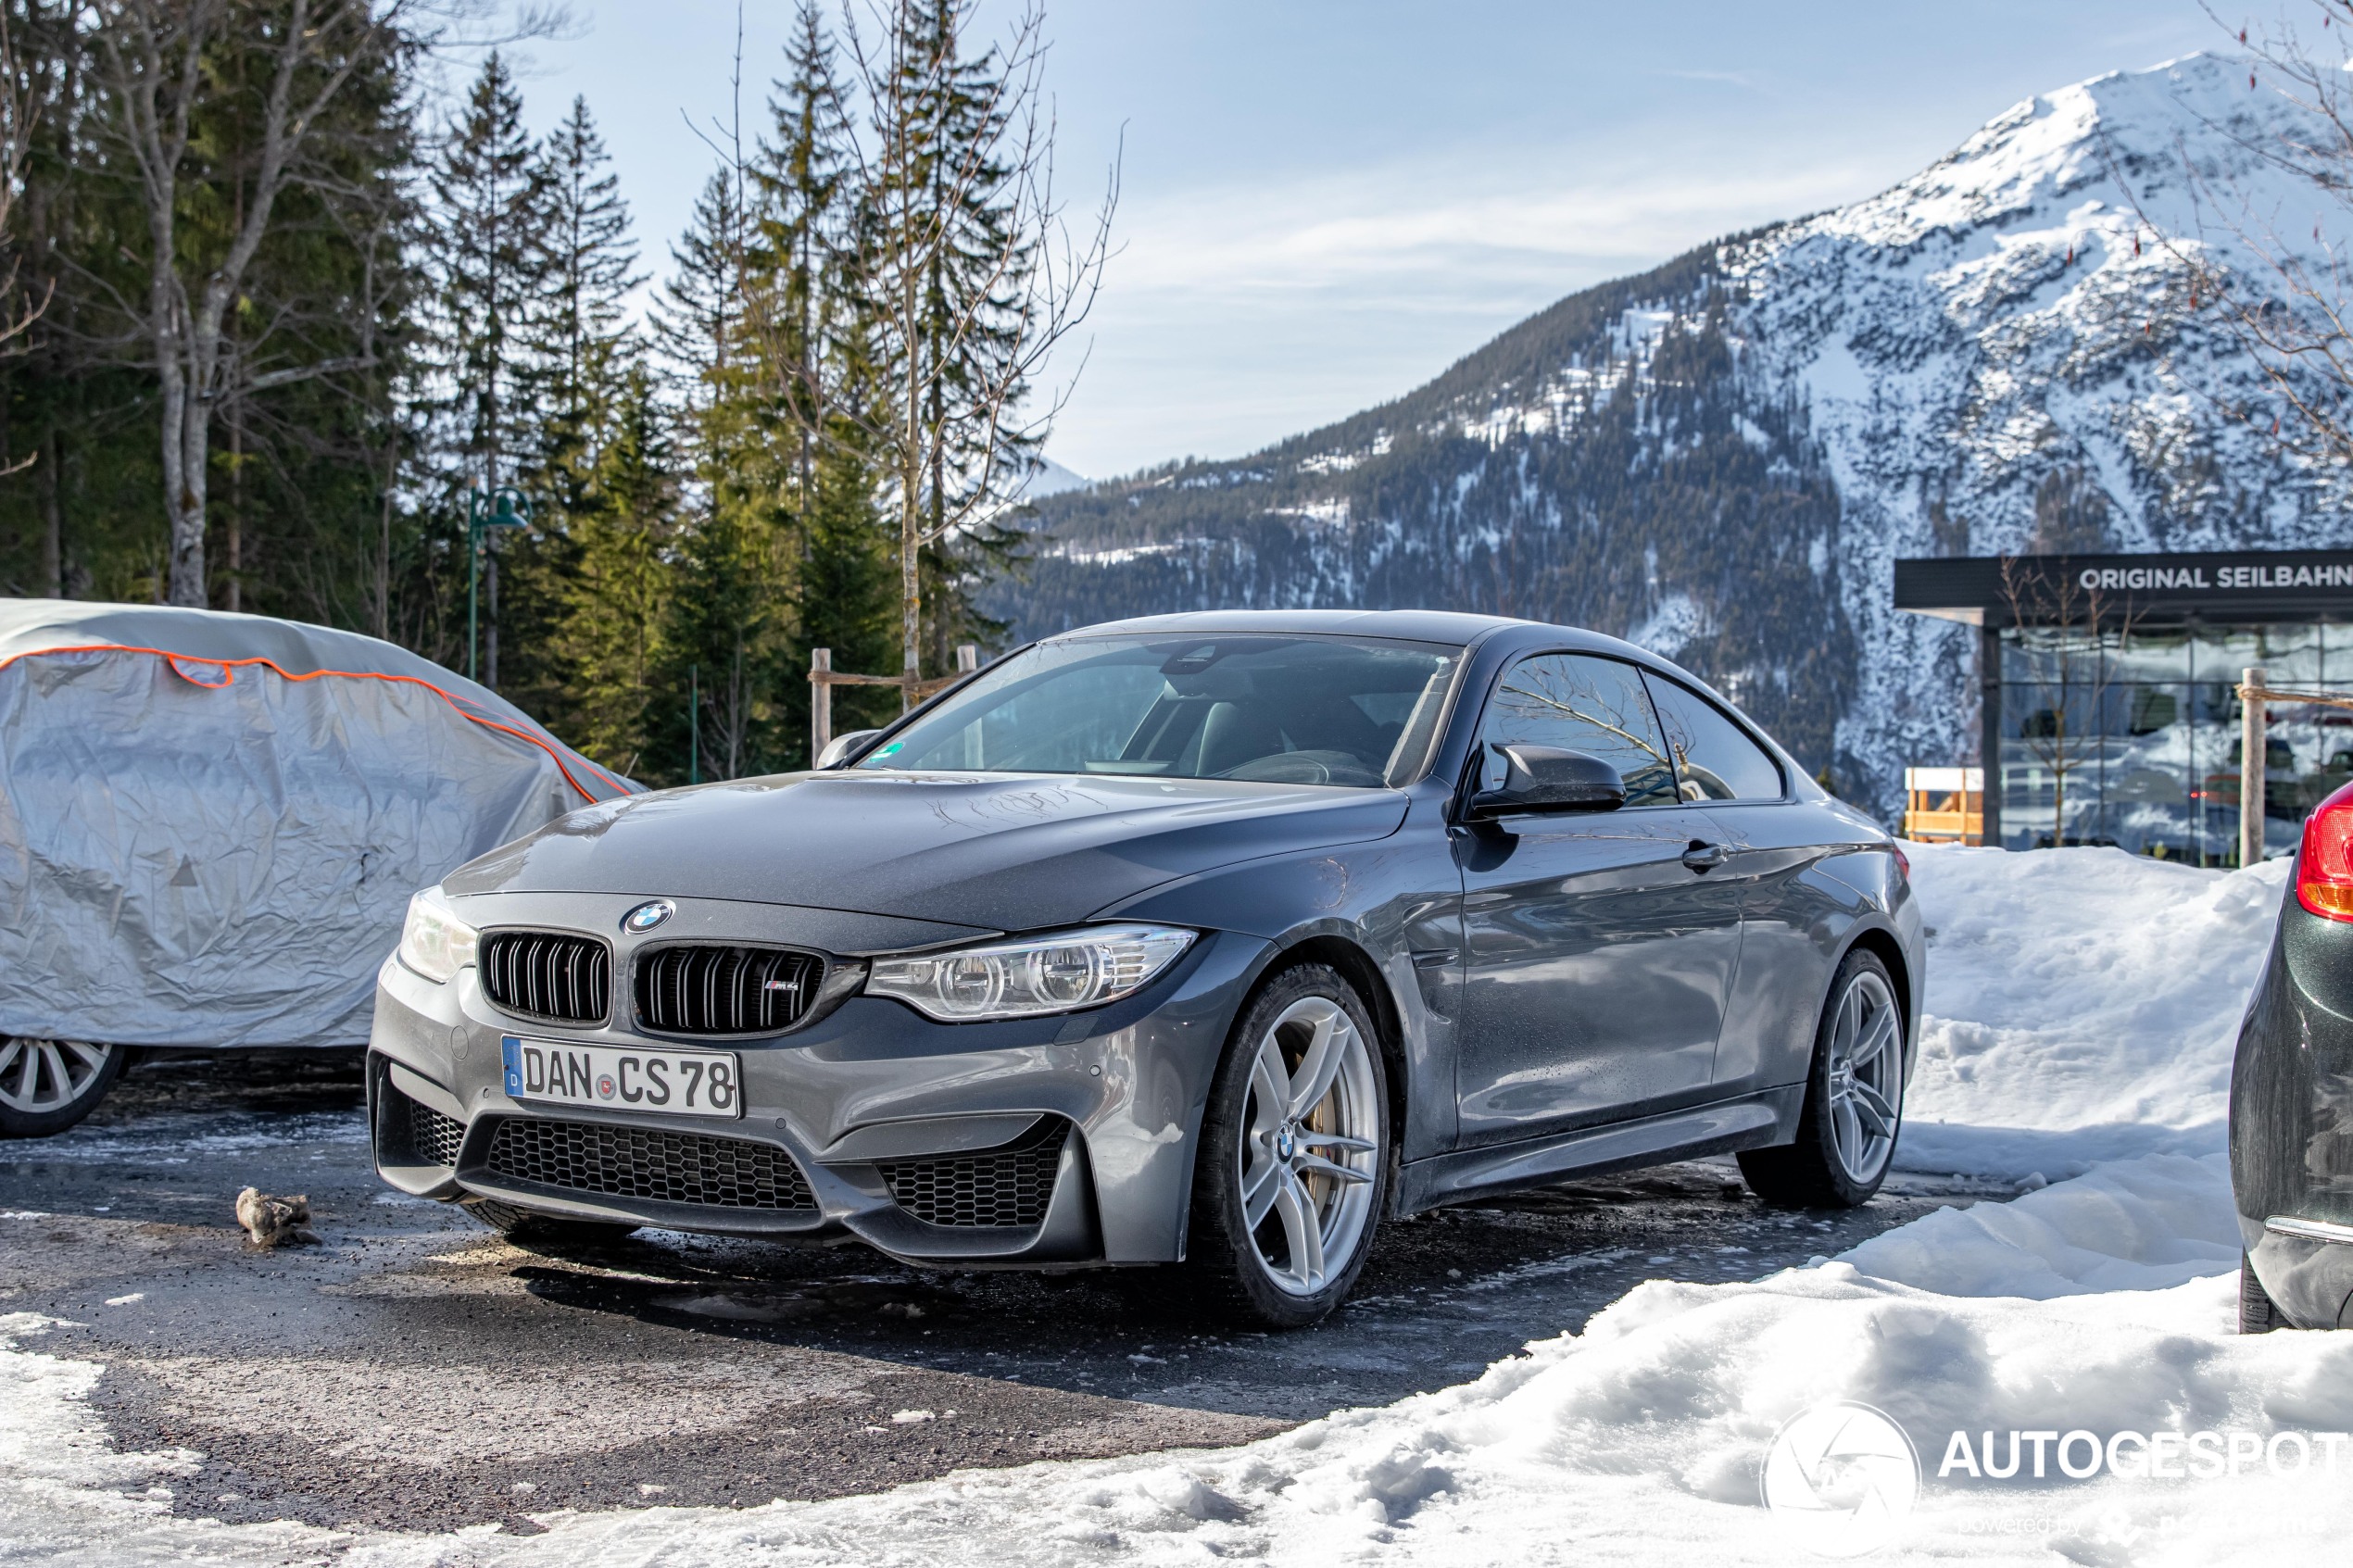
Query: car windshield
{"points": [[1270, 709]]}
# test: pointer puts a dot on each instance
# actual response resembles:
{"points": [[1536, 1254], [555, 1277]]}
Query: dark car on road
{"points": [[2292, 1097], [1206, 940]]}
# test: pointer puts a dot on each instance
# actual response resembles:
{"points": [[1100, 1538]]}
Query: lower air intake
{"points": [[420, 1132], [1001, 1188], [645, 1162]]}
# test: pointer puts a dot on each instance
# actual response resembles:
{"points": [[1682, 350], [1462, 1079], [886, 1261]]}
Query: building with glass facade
{"points": [[2108, 700]]}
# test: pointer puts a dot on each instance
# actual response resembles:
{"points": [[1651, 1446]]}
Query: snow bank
{"points": [[2080, 1001], [2081, 1006], [2150, 1224]]}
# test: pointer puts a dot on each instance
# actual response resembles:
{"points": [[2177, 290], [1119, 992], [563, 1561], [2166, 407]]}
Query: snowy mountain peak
{"points": [[1726, 454], [2048, 145]]}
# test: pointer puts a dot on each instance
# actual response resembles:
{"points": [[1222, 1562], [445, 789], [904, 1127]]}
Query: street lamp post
{"points": [[485, 510]]}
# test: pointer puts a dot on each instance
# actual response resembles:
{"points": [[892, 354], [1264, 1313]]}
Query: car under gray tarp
{"points": [[210, 824]]}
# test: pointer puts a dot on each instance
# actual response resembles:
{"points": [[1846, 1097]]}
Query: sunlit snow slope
{"points": [[1721, 458]]}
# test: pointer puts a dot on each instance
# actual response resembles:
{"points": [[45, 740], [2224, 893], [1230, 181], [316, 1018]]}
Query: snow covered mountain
{"points": [[1720, 458]]}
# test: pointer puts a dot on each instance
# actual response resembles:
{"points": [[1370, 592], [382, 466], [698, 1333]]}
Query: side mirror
{"points": [[1545, 778], [840, 746]]}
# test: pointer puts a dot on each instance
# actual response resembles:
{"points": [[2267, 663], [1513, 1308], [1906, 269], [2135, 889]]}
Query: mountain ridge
{"points": [[1722, 457]]}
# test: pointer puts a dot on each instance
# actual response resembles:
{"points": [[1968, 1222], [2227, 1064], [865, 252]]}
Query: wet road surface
{"points": [[418, 1372]]}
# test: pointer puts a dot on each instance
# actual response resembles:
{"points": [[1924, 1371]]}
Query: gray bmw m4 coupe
{"points": [[1204, 940]]}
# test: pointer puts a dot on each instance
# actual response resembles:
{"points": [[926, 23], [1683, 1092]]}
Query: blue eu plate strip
{"points": [[511, 1052]]}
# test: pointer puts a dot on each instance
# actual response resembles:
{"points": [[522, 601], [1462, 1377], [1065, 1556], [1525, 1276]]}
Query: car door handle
{"points": [[1702, 857]]}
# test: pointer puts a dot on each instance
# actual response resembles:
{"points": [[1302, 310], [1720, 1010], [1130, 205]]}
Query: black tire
{"points": [[52, 1105], [1226, 1259], [1811, 1172], [2258, 1312], [524, 1227]]}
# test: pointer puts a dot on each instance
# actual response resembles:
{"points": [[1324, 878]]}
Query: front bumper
{"points": [[869, 1091], [2291, 1121]]}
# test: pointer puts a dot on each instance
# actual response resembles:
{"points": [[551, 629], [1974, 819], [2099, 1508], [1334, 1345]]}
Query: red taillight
{"points": [[2325, 866], [1903, 862]]}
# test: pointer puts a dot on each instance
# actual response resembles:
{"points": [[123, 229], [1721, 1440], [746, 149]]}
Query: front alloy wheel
{"points": [[47, 1085], [1294, 1153]]}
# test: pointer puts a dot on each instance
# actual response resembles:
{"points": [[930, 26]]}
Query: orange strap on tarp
{"points": [[461, 705]]}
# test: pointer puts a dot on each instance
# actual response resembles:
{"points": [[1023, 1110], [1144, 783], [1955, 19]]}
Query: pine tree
{"points": [[490, 220], [583, 330], [816, 376], [623, 525], [848, 596], [712, 717], [951, 263], [583, 350], [804, 254], [697, 320], [724, 652]]}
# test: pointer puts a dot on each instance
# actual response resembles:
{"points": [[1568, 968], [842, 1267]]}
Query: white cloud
{"points": [[1240, 314]]}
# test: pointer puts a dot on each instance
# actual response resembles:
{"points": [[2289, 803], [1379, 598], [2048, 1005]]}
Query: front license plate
{"points": [[623, 1078]]}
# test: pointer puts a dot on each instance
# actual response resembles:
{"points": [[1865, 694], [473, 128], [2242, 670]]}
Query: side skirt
{"points": [[1755, 1121]]}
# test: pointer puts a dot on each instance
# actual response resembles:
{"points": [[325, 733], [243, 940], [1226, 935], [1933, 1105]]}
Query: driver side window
{"points": [[1579, 702]]}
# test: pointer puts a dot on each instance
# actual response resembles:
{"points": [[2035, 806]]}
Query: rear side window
{"points": [[1580, 703], [1713, 758]]}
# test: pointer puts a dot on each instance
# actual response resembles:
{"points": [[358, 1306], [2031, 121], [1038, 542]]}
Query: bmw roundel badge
{"points": [[645, 917]]}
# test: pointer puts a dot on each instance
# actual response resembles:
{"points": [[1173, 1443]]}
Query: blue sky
{"points": [[1326, 204]]}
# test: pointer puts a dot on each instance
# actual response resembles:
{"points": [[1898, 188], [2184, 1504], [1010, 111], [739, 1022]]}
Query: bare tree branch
{"points": [[153, 54]]}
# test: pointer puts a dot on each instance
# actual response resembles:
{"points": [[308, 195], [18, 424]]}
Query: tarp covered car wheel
{"points": [[47, 1085]]}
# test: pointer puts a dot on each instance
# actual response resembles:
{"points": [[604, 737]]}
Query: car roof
{"points": [[1415, 625], [1418, 625], [1456, 627]]}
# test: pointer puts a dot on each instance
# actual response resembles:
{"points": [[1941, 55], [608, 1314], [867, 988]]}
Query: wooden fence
{"points": [[823, 678]]}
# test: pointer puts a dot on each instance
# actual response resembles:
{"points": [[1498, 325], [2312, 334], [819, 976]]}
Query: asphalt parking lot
{"points": [[415, 1371]]}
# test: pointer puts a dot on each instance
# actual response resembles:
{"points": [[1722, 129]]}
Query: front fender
{"points": [[1397, 902]]}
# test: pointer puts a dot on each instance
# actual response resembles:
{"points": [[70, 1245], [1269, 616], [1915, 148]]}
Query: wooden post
{"points": [[967, 657], [821, 703], [2253, 755], [1989, 728]]}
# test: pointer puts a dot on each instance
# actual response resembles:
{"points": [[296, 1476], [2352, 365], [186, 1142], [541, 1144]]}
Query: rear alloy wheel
{"points": [[1294, 1156], [1854, 1101], [525, 1228], [47, 1085]]}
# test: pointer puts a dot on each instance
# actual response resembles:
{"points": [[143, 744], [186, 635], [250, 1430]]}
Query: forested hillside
{"points": [[292, 294], [1693, 491]]}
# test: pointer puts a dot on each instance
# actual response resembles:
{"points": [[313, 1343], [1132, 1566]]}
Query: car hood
{"points": [[1007, 852]]}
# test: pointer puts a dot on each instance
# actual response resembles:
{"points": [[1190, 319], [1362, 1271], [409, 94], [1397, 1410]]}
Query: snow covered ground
{"points": [[2081, 1010], [2081, 1006]]}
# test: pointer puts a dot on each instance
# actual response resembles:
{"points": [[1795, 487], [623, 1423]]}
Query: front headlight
{"points": [[433, 942], [1030, 975]]}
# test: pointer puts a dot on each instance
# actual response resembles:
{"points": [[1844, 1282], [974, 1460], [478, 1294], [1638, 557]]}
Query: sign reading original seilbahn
{"points": [[2234, 586]]}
